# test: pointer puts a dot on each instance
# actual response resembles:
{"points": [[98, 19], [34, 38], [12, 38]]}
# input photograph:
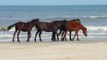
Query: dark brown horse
{"points": [[49, 27], [25, 27], [62, 30], [61, 26], [74, 26]]}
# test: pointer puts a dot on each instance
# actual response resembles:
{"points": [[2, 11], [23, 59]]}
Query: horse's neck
{"points": [[82, 27], [30, 23]]}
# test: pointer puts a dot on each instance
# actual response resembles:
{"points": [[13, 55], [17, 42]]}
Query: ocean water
{"points": [[94, 17]]}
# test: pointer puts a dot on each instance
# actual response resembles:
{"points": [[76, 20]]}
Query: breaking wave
{"points": [[93, 17]]}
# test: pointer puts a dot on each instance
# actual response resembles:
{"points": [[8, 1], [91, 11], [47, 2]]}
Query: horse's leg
{"points": [[29, 35], [75, 35], [62, 36], [70, 35], [65, 32], [18, 36], [53, 36], [36, 35], [65, 35], [40, 36], [14, 35], [57, 36], [59, 32]]}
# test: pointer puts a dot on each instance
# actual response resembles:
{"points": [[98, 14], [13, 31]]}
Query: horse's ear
{"points": [[37, 19], [64, 20]]}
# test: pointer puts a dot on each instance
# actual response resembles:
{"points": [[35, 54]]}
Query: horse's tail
{"points": [[9, 27]]}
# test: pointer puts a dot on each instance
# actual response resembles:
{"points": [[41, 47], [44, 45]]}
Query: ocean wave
{"points": [[104, 28], [93, 17], [3, 28], [46, 36], [73, 17], [12, 29]]}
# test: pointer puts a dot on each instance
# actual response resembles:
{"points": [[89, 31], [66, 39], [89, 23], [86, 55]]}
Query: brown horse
{"points": [[74, 26], [25, 27], [62, 30], [73, 20]]}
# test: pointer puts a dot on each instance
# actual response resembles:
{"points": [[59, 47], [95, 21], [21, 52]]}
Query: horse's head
{"points": [[85, 31], [64, 24], [35, 21]]}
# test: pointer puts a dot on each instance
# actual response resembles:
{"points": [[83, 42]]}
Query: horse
{"points": [[74, 26], [61, 26], [49, 27], [62, 30], [73, 20], [23, 26]]}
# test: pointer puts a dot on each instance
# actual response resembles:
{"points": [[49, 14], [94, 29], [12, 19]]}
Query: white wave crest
{"points": [[95, 17], [97, 28]]}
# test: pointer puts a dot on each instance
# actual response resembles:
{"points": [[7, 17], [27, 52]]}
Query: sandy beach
{"points": [[76, 50]]}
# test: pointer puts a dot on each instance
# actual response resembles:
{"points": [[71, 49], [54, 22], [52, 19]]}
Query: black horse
{"points": [[23, 26], [61, 26], [49, 27]]}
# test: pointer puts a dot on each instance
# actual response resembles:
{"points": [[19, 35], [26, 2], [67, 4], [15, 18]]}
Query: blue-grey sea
{"points": [[94, 17]]}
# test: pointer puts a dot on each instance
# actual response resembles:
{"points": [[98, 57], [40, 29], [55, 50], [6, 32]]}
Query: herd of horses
{"points": [[63, 25]]}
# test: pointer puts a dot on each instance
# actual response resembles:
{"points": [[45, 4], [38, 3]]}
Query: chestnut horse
{"points": [[25, 27], [74, 26], [62, 30], [49, 27]]}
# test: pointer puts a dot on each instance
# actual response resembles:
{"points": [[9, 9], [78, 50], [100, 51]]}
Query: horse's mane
{"points": [[75, 20]]}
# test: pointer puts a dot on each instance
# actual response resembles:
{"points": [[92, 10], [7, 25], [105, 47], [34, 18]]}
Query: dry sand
{"points": [[76, 50]]}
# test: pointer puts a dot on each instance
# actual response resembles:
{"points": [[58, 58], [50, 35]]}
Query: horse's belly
{"points": [[24, 30], [48, 30]]}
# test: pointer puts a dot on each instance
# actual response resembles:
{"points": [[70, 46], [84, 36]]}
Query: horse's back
{"points": [[46, 26], [73, 25], [19, 24], [24, 26], [61, 24]]}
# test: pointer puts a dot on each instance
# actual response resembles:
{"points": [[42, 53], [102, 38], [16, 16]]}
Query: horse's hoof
{"points": [[27, 41], [65, 39], [13, 40], [34, 40], [41, 41], [78, 40], [71, 40], [62, 39], [19, 41], [53, 40]]}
